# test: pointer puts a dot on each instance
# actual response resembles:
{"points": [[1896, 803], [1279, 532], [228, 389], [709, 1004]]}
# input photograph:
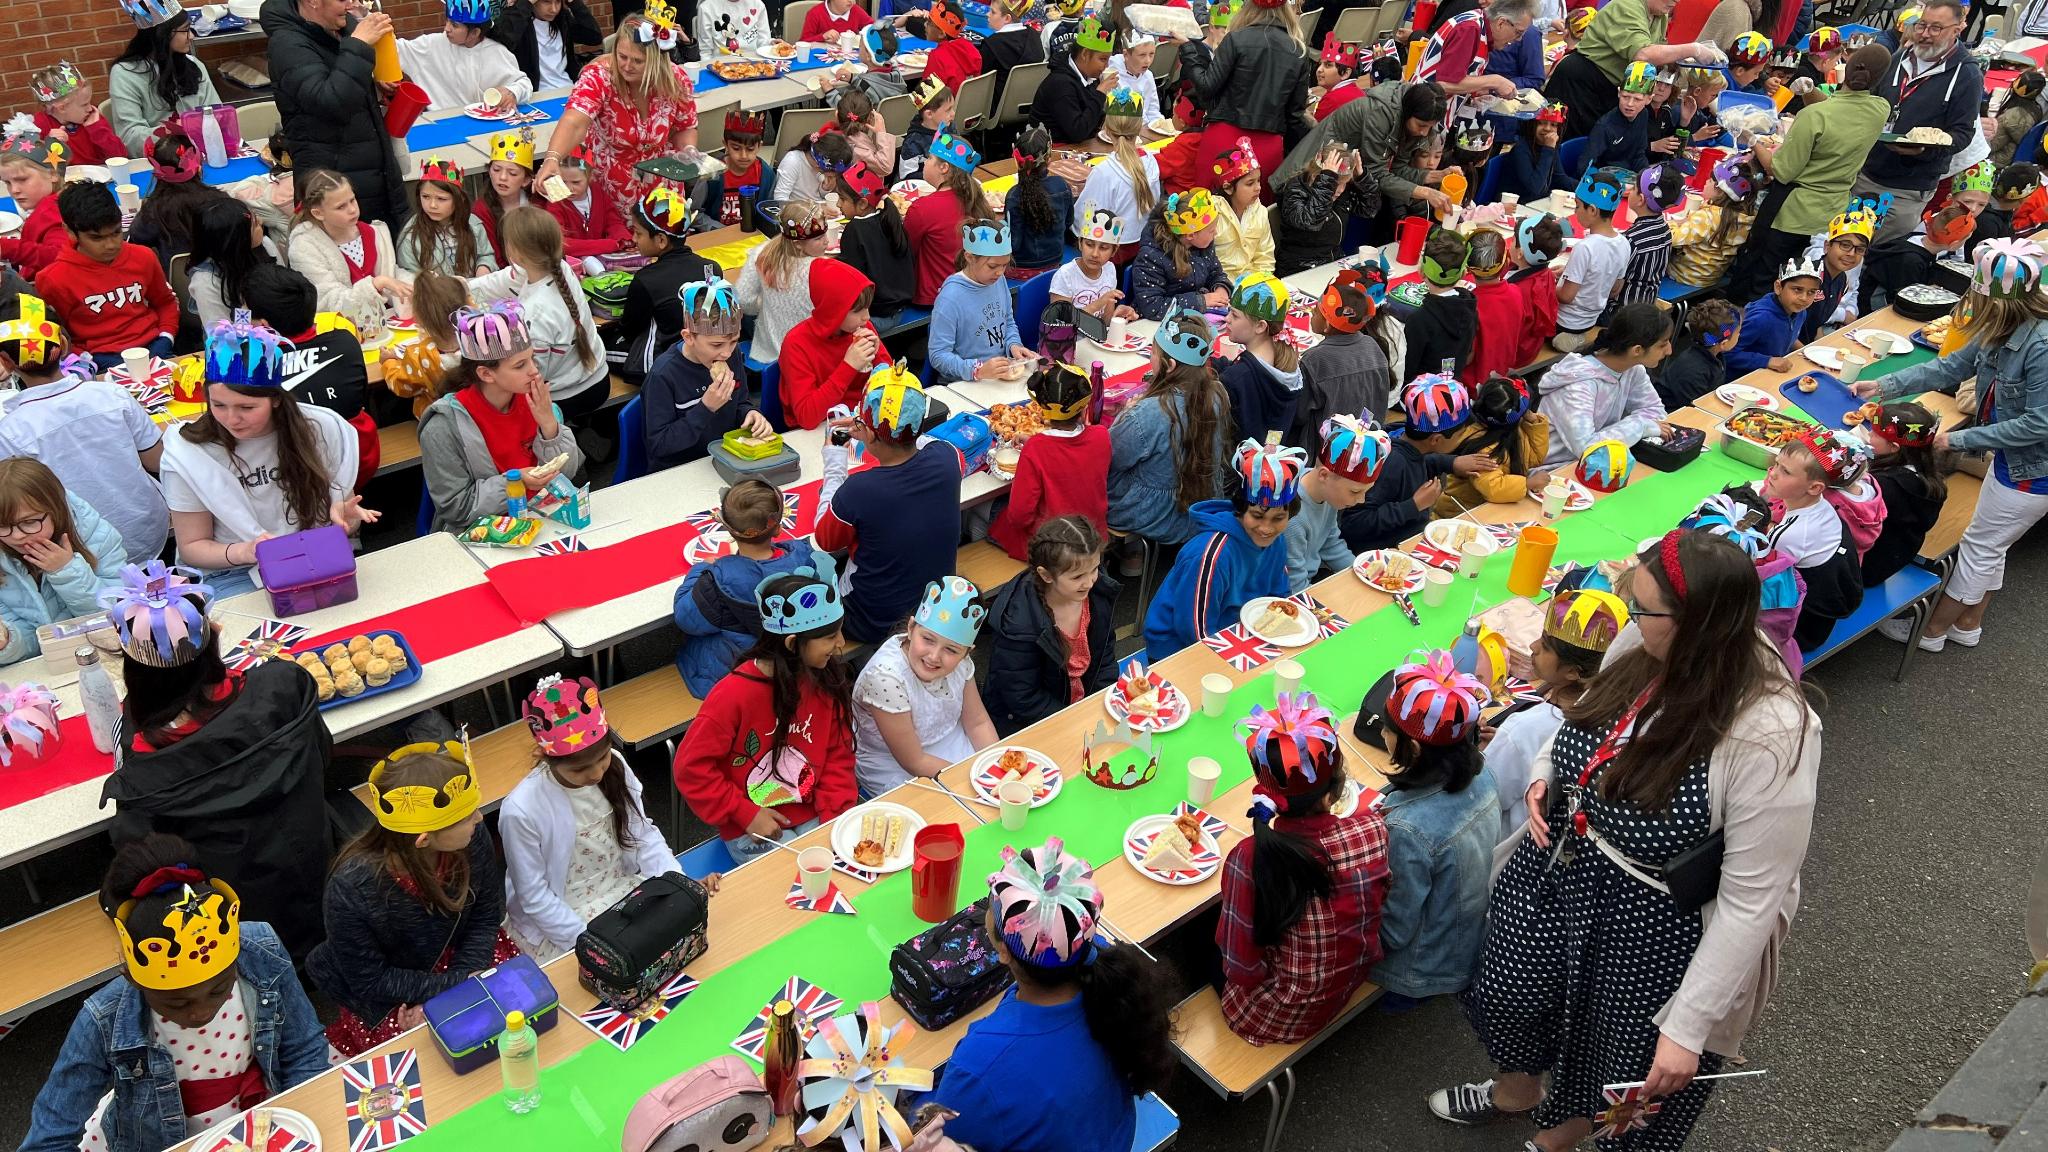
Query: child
{"points": [[134, 1044], [1621, 137], [168, 217], [1708, 232], [415, 369], [934, 103], [698, 390], [719, 203], [1442, 330], [1167, 447], [1039, 208], [714, 606], [1662, 113], [956, 59], [916, 709], [1347, 371], [1180, 161], [1712, 328], [109, 294], [1052, 626], [567, 347], [1533, 170], [875, 242], [55, 570], [67, 113], [1658, 191], [806, 171], [591, 224], [1538, 241], [653, 316], [507, 178], [2017, 116], [1891, 267], [350, 261], [732, 27], [1902, 437], [865, 130], [937, 222], [1808, 527], [1238, 552], [577, 837], [1604, 392], [1497, 307], [1336, 72], [29, 163], [1740, 514], [2009, 189], [1770, 325], [1244, 237], [460, 63], [1012, 43], [233, 239], [1088, 281], [1126, 185], [827, 358], [1313, 207], [1504, 430], [442, 233], [415, 902], [493, 418], [1411, 481], [1302, 894], [1579, 626], [1972, 187], [1062, 471], [1443, 816], [325, 368], [775, 281], [770, 755], [1840, 254], [1177, 265], [1264, 380], [1071, 103], [1133, 70], [1596, 264], [1352, 451], [823, 24]]}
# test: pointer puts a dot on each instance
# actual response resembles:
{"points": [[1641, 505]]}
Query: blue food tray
{"points": [[405, 679], [1827, 404]]}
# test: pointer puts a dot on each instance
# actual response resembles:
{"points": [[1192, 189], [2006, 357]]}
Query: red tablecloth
{"points": [[73, 761]]}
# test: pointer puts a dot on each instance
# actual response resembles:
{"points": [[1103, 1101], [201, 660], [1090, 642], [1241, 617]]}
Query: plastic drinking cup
{"points": [[814, 871]]}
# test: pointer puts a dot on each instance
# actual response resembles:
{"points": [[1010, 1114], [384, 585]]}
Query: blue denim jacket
{"points": [[1439, 877], [2020, 367], [110, 1047]]}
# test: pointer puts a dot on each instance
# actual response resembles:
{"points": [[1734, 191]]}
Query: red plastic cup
{"points": [[1411, 231], [406, 106]]}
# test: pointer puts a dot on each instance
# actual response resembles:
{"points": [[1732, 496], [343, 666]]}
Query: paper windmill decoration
{"points": [[1628, 1109], [28, 720], [851, 1076]]}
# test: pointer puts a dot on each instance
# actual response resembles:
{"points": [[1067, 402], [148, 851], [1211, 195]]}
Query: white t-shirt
{"points": [[1809, 535], [1594, 266], [553, 72], [92, 434], [1109, 186], [1073, 283], [196, 477]]}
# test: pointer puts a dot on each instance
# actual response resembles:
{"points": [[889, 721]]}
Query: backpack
{"points": [[947, 970], [718, 1106]]}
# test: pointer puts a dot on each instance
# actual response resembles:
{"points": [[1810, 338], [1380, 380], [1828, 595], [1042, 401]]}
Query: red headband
{"points": [[1668, 552], [167, 876]]}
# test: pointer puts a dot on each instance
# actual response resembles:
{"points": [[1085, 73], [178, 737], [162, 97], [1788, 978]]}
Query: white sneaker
{"points": [[1967, 637], [1900, 629]]}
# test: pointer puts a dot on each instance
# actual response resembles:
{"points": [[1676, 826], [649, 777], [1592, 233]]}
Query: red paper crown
{"points": [[441, 170], [1240, 161], [1337, 52], [863, 183], [1553, 113], [740, 123]]}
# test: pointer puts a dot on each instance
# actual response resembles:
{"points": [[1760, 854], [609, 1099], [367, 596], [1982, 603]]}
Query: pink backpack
{"points": [[719, 1106]]}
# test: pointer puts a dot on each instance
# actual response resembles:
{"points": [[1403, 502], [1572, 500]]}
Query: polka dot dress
{"points": [[223, 1048], [1579, 962]]}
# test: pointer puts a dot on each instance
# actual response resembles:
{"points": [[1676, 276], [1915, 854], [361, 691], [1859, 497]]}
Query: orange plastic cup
{"points": [[1532, 561]]}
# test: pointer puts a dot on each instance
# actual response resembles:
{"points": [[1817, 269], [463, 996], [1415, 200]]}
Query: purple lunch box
{"points": [[308, 570], [467, 1019]]}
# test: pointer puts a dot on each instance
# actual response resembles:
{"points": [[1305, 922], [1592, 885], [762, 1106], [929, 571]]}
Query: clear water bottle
{"points": [[519, 1061], [102, 706]]}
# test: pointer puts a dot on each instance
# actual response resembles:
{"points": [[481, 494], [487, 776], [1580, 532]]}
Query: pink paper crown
{"points": [[493, 332], [565, 715], [28, 720], [161, 613]]}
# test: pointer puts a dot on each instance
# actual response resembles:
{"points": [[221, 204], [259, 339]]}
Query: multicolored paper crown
{"points": [[565, 716], [1750, 49], [471, 12], [956, 151], [1270, 473], [1061, 391], [1070, 7], [1908, 17], [1828, 450], [1856, 223], [1354, 447], [850, 1078], [663, 29], [813, 604], [1345, 304], [1825, 38], [205, 931], [1639, 78], [1977, 177], [413, 809], [986, 238], [1578, 20], [1487, 255], [931, 92], [491, 332], [1434, 703], [1733, 177], [862, 182], [1553, 113], [160, 613], [1187, 213], [1185, 336], [1696, 76], [1261, 297], [1894, 425], [513, 147], [894, 403], [1124, 101], [1094, 35], [951, 608], [1293, 745], [582, 157], [1339, 53], [1473, 136], [1724, 516], [244, 354], [38, 340], [1651, 184], [1601, 188], [25, 140], [1787, 59], [2007, 267], [1220, 14], [28, 720], [56, 82], [1436, 402], [150, 13], [1605, 466], [709, 308], [1236, 163], [1585, 619], [441, 170], [1046, 905], [1505, 417], [665, 210], [1094, 222], [946, 18], [805, 225]]}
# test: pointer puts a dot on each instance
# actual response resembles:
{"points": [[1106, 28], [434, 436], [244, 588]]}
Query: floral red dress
{"points": [[622, 136]]}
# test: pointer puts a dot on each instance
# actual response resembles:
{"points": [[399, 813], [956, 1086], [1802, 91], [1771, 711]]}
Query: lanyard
{"points": [[1608, 749]]}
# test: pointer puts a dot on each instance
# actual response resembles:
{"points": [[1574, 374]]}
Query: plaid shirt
{"points": [[1287, 994]]}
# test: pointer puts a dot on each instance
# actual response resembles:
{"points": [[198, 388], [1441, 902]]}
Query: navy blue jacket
{"points": [[1615, 141], [1946, 98], [1389, 515], [1532, 172]]}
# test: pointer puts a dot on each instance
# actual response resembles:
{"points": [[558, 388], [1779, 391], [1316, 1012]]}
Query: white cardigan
{"points": [[319, 259], [539, 832]]}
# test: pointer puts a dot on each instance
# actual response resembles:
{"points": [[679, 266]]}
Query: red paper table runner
{"points": [[437, 628], [73, 761]]}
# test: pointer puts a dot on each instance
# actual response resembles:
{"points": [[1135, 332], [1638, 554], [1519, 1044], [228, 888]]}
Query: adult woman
{"points": [[1588, 79], [1595, 970], [549, 38], [630, 106], [1385, 126], [1255, 85], [327, 99], [56, 555], [2008, 355], [156, 76]]}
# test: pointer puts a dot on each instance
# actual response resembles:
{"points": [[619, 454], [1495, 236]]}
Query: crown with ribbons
{"points": [[1826, 38], [1639, 77], [709, 308], [1605, 466], [474, 13], [1436, 402], [863, 182], [1354, 447], [245, 354], [1733, 178], [1978, 177], [955, 150], [1801, 266], [25, 140], [1497, 415], [662, 28], [1434, 703], [1124, 101], [490, 333], [414, 809], [440, 170], [1587, 619], [1261, 297], [38, 340], [894, 402], [56, 82], [1894, 424], [986, 238], [1750, 49], [814, 603], [946, 18], [1553, 113], [1293, 745], [1094, 222], [1238, 162], [1345, 305], [1270, 473], [513, 147], [565, 716], [160, 612], [849, 1080], [2007, 267], [1724, 516], [150, 13], [1853, 223], [665, 210], [1601, 188], [931, 92], [1061, 391], [951, 608], [28, 721], [1046, 905], [1095, 35], [203, 930], [1187, 213], [745, 125], [1185, 336], [1338, 53]]}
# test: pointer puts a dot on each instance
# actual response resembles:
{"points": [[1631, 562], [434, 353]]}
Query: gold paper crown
{"points": [[1106, 774], [1588, 619], [205, 939], [1861, 222], [418, 808], [660, 13], [513, 147]]}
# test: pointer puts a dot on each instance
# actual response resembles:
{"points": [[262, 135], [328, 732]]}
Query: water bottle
{"points": [[1096, 382], [102, 706], [519, 1061]]}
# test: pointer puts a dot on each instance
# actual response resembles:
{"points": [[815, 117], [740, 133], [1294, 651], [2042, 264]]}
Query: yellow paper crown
{"points": [[661, 14], [1588, 619], [39, 337], [417, 808], [514, 147], [1858, 223], [1189, 212], [205, 939]]}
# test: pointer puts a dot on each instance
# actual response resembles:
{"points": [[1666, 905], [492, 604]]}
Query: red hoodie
{"points": [[42, 237], [726, 772], [1539, 309], [601, 233], [1496, 343], [956, 62], [109, 307], [91, 144], [815, 374]]}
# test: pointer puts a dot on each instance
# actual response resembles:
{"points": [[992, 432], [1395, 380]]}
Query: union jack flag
{"points": [[864, 875], [624, 1029], [1240, 649], [1328, 623], [814, 1005], [832, 901], [561, 545], [272, 640], [1433, 58], [383, 1101], [1627, 1109]]}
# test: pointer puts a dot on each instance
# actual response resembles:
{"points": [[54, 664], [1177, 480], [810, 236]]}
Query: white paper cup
{"points": [[814, 870], [117, 167], [1215, 693], [492, 96], [1119, 331], [803, 53], [1202, 776], [1470, 560], [1015, 796], [1289, 674], [136, 360], [1436, 586], [131, 197], [1554, 498], [1509, 200]]}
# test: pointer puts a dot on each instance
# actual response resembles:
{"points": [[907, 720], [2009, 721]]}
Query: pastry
{"points": [[1013, 762], [1852, 417], [1808, 383], [869, 851], [323, 688], [1190, 825], [361, 659], [1170, 851], [334, 652], [382, 643], [358, 644], [395, 658], [348, 683], [378, 674], [310, 661]]}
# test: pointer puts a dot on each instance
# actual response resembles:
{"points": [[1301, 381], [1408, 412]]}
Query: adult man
{"points": [[1587, 81], [328, 102], [1932, 83], [459, 64], [1384, 126], [1456, 56]]}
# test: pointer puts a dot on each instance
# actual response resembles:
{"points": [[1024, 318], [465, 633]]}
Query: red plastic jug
{"points": [[935, 872], [1411, 231], [405, 107]]}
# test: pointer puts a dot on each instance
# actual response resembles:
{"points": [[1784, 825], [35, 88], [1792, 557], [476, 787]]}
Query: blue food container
{"points": [[467, 1019]]}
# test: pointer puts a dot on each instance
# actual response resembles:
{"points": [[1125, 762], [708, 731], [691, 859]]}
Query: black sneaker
{"points": [[1470, 1105]]}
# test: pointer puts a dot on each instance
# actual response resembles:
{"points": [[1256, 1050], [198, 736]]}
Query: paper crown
{"points": [[1345, 304], [1895, 425], [513, 147], [1724, 516], [244, 354], [1487, 255], [1099, 749], [662, 29], [173, 157], [1094, 222], [1750, 49], [862, 182], [1585, 619], [956, 151], [1236, 163], [1525, 240], [1354, 447], [1800, 266], [1605, 466], [1651, 184], [444, 171], [1601, 188], [413, 809], [931, 92], [1033, 147], [1124, 102], [491, 332], [1949, 225], [1061, 391], [56, 82], [709, 308], [1184, 109], [1220, 14], [1977, 177], [1854, 223], [25, 140], [160, 613], [582, 157], [1908, 17], [150, 13], [1514, 388], [1292, 746], [1434, 703], [1261, 297], [1185, 336], [565, 715], [1270, 473], [1825, 38], [1094, 35], [1070, 7], [946, 18], [471, 12], [894, 402], [877, 48], [1733, 177], [1473, 136], [1827, 450], [38, 340], [1553, 113], [744, 124], [1046, 905], [1578, 20], [1435, 402], [665, 210], [850, 1078], [986, 238], [28, 720], [1187, 213], [813, 603], [1639, 77], [951, 608], [808, 224], [205, 931], [1339, 53]]}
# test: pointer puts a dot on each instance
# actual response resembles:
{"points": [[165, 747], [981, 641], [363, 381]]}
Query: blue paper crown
{"points": [[245, 354], [1187, 347], [987, 239], [876, 49], [1726, 517], [469, 11], [950, 608], [815, 604], [150, 13], [894, 401], [709, 308], [1600, 188], [957, 152], [1270, 473], [1879, 206]]}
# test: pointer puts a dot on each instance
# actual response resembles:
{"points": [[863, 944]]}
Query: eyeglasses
{"points": [[28, 527], [1635, 608], [1852, 246], [1927, 29]]}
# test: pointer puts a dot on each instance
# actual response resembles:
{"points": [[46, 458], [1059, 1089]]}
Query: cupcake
{"points": [[358, 644], [361, 659], [349, 684], [378, 673], [334, 652]]}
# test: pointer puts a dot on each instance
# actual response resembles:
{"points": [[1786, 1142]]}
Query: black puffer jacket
{"points": [[1027, 666], [512, 26], [1257, 80], [328, 106]]}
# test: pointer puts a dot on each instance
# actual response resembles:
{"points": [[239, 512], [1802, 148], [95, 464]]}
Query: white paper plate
{"points": [[1162, 127], [1742, 395], [1133, 342], [777, 52], [846, 834], [486, 112], [297, 1123], [985, 774], [1409, 586], [1139, 836], [1828, 358], [1348, 802], [1305, 622], [1439, 533], [1175, 709], [9, 221], [1580, 499]]}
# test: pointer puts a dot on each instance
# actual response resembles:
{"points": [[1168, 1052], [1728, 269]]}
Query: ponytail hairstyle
{"points": [[1286, 357], [854, 111], [1125, 131], [1920, 457], [133, 863], [1034, 151], [1172, 243], [1123, 998], [1289, 870], [315, 186], [612, 785], [535, 234], [439, 879], [967, 190], [427, 233], [1198, 426], [1061, 545]]}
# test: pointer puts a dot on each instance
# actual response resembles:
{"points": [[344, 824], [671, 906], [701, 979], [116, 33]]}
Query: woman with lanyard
{"points": [[2007, 317], [630, 107], [1587, 80], [1633, 933]]}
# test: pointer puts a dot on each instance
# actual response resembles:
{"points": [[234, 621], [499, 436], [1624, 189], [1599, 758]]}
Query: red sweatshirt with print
{"points": [[725, 769], [109, 307], [42, 238]]}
